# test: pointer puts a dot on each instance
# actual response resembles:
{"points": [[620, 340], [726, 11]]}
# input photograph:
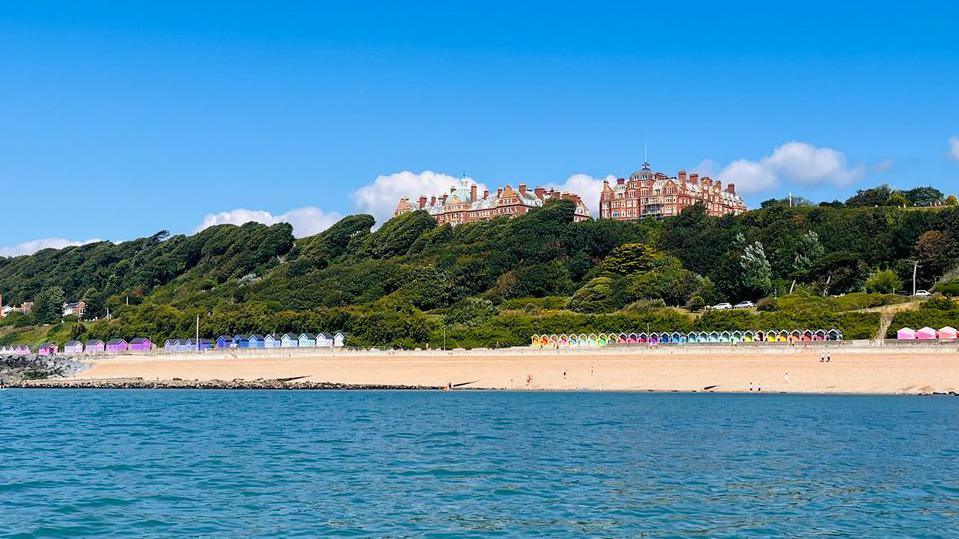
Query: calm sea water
{"points": [[246, 463]]}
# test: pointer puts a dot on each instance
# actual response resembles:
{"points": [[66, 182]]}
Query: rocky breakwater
{"points": [[177, 383], [15, 370]]}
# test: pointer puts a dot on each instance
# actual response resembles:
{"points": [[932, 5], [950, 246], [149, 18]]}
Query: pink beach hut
{"points": [[926, 333], [906, 334], [947, 333]]}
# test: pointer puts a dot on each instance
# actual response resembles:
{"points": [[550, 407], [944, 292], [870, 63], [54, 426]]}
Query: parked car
{"points": [[744, 305], [721, 306], [922, 294]]}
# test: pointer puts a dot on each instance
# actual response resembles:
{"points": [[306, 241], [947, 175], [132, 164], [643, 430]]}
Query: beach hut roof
{"points": [[947, 329], [117, 341], [140, 340], [72, 343], [328, 336], [94, 342], [256, 336], [307, 336]]}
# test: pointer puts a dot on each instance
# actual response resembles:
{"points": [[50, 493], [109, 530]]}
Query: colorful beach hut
{"points": [[819, 335], [270, 341], [141, 344], [224, 341], [240, 341], [307, 340], [73, 348], [95, 346], [171, 345], [117, 346], [906, 334], [726, 337], [602, 339], [748, 336], [947, 333], [256, 341], [926, 333], [206, 344], [47, 349], [23, 350], [833, 335]]}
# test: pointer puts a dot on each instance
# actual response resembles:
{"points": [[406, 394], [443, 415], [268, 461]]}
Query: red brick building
{"points": [[653, 194], [464, 205]]}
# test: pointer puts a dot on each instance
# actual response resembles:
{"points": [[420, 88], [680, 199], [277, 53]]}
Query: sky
{"points": [[120, 119]]}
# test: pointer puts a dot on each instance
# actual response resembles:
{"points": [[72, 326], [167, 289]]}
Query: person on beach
{"points": [[750, 387], [822, 356], [786, 377], [828, 357]]}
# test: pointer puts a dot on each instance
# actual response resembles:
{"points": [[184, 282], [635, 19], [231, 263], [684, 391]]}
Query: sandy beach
{"points": [[864, 370]]}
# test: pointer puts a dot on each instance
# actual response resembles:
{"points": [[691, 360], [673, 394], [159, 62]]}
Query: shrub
{"points": [[883, 282]]}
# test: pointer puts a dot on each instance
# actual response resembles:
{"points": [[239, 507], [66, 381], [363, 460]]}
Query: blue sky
{"points": [[121, 119]]}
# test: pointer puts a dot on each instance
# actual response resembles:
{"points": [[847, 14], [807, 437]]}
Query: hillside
{"points": [[411, 282]]}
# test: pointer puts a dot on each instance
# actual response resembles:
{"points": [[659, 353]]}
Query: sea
{"points": [[161, 463]]}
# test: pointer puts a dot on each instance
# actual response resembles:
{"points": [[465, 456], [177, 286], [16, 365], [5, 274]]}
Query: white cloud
{"points": [[306, 221], [883, 166], [586, 186], [380, 197], [706, 167], [954, 147], [30, 247], [798, 162]]}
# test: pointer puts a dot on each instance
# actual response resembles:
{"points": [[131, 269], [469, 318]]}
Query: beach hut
{"points": [[642, 338], [712, 337], [141, 344], [171, 345], [676, 338], [206, 344], [73, 348], [622, 338], [782, 336], [553, 341], [632, 338], [602, 339], [926, 333], [23, 350], [748, 336], [271, 341], [771, 335], [117, 346], [794, 336], [187, 345], [563, 340], [736, 337], [947, 333], [307, 340], [819, 335], [652, 339], [807, 336], [95, 346], [906, 334], [224, 341], [833, 335], [256, 341], [47, 349], [240, 341], [534, 341], [726, 337], [339, 339], [289, 340], [325, 340]]}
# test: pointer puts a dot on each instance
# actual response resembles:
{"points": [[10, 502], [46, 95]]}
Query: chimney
{"points": [[522, 188], [620, 181], [443, 200], [422, 201], [499, 192], [694, 178], [433, 200], [539, 192], [731, 188], [485, 194], [473, 193]]}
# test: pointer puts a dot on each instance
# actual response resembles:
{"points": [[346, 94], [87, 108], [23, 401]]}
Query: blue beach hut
{"points": [[307, 340], [289, 340], [224, 341], [257, 341], [241, 341]]}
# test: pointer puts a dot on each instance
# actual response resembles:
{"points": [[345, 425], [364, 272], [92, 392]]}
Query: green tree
{"points": [[48, 306], [898, 199], [924, 196], [877, 196], [596, 296], [883, 282], [757, 273]]}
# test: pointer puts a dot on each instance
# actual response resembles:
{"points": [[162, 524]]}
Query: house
{"points": [[339, 339], [257, 341], [73, 347], [307, 340], [288, 340], [22, 350], [224, 341], [76, 309], [95, 346], [141, 344], [117, 346], [324, 340], [241, 341], [270, 341], [48, 349]]}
